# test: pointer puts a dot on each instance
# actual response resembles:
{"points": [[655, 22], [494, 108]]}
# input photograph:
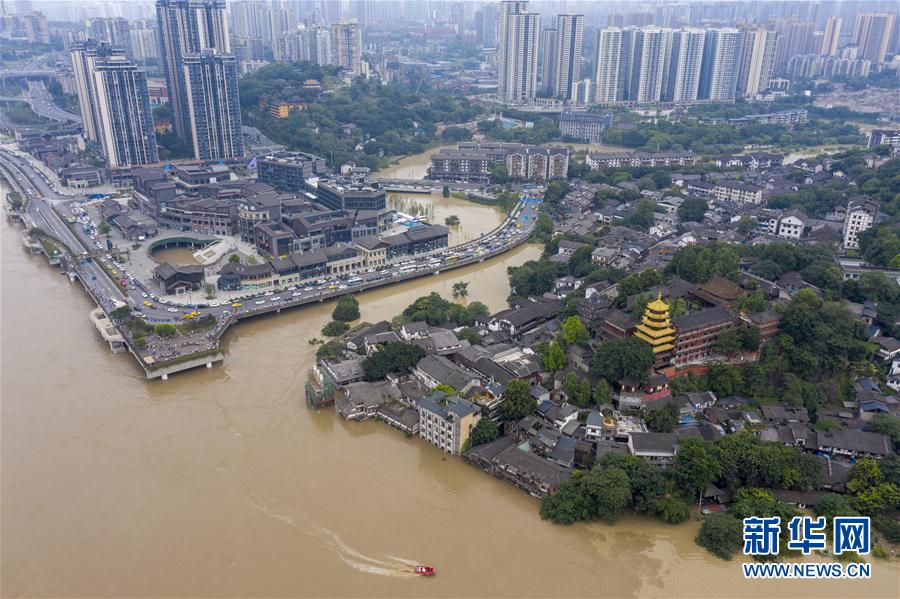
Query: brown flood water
{"points": [[474, 219], [223, 483], [176, 255]]}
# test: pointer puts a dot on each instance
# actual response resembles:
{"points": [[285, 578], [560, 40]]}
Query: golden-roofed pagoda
{"points": [[656, 328]]}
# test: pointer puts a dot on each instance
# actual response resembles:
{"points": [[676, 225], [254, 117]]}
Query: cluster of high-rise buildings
{"points": [[338, 44], [638, 62]]}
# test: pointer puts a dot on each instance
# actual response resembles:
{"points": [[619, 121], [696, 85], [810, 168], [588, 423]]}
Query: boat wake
{"points": [[386, 565]]}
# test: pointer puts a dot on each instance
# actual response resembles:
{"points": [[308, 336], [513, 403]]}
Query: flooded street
{"points": [[474, 219], [222, 482]]}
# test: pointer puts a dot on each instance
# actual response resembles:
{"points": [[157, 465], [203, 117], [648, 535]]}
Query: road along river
{"points": [[222, 482]]}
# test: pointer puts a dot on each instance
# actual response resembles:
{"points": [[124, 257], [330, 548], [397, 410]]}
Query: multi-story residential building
{"points": [[637, 159], [861, 215], [517, 52], [791, 224], [351, 194], [757, 61], [728, 191], [535, 163], [144, 45], [548, 60], [115, 104], [447, 422], [567, 55], [418, 240], [473, 162], [813, 66], [650, 53], [686, 66], [885, 137], [584, 126], [213, 105], [115, 31], [608, 65], [188, 27], [795, 36], [782, 117], [831, 36], [872, 34], [289, 170], [486, 26], [346, 47], [721, 64]]}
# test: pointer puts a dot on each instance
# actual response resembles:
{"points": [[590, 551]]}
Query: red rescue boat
{"points": [[425, 570]]}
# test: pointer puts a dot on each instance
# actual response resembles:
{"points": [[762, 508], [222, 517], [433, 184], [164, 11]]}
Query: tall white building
{"points": [[860, 216], [608, 65], [567, 55], [757, 61], [686, 66], [115, 104], [213, 105], [650, 56], [831, 36], [346, 47], [517, 52], [872, 33], [721, 64]]}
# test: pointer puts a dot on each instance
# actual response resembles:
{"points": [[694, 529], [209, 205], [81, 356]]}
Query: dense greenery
{"points": [[880, 246], [484, 432], [692, 209], [388, 120], [720, 534], [690, 134], [20, 113], [335, 328], [700, 263], [347, 309], [435, 310], [392, 357], [625, 358], [544, 129], [662, 420], [517, 401]]}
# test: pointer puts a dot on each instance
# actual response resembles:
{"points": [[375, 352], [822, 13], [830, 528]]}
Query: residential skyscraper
{"points": [[608, 65], [214, 108], [115, 104], [872, 33], [486, 26], [188, 27], [567, 55], [346, 47], [114, 30], [795, 37], [685, 66], [831, 36], [650, 55], [548, 61], [758, 51], [721, 64], [517, 51]]}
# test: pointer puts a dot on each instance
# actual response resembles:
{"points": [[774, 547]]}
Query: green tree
{"points": [[574, 331], [569, 504], [753, 303], [484, 432], [581, 262], [104, 227], [121, 312], [628, 357], [695, 467], [460, 289], [610, 490], [517, 401], [834, 505], [672, 509], [234, 259], [700, 263], [392, 357], [886, 424], [602, 393], [721, 535], [555, 358], [347, 309], [335, 328], [692, 209], [724, 379], [663, 420], [729, 341], [499, 173]]}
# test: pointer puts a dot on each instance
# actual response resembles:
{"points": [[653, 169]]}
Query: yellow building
{"points": [[656, 329], [282, 110]]}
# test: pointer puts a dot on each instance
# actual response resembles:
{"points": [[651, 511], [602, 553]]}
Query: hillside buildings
{"points": [[474, 162]]}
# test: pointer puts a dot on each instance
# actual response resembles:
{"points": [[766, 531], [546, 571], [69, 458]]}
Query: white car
{"points": [[267, 293], [275, 299], [214, 305], [296, 294], [260, 302], [172, 310]]}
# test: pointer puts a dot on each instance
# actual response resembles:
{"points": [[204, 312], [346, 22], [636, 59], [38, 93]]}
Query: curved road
{"points": [[94, 274]]}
